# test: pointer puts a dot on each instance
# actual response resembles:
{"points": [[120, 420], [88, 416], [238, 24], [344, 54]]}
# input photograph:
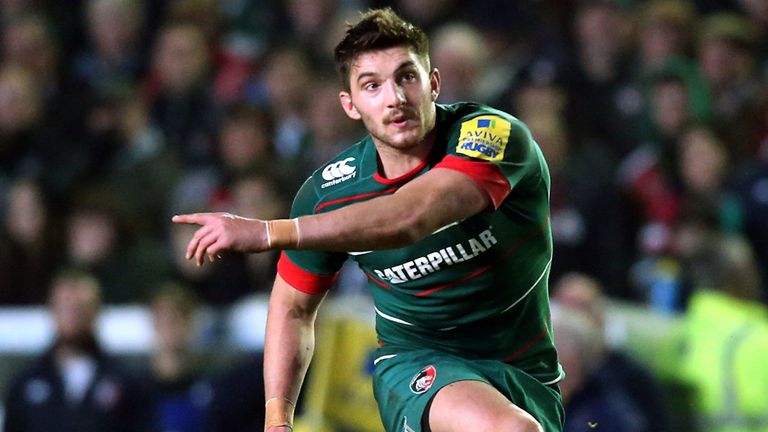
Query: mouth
{"points": [[400, 120]]}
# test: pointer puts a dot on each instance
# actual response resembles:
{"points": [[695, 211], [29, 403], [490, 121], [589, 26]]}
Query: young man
{"points": [[445, 209], [74, 386]]}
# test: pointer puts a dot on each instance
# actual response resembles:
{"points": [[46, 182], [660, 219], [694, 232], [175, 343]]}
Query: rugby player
{"points": [[445, 208]]}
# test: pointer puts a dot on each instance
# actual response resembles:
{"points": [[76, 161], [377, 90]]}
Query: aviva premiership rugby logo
{"points": [[484, 137], [423, 380], [338, 172]]}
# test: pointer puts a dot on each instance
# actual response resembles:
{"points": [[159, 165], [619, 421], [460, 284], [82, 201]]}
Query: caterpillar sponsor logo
{"points": [[338, 172], [484, 137], [423, 380], [434, 261]]}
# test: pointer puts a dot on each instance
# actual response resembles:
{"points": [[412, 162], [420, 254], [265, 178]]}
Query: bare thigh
{"points": [[476, 406]]}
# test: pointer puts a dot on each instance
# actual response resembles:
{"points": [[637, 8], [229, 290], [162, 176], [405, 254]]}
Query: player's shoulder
{"points": [[457, 114], [480, 131], [345, 170], [346, 167]]}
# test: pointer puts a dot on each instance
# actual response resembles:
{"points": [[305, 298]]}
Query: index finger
{"points": [[194, 218]]}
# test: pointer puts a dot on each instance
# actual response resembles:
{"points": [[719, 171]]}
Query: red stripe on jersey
{"points": [[482, 270], [401, 178], [377, 282], [527, 346], [354, 197], [452, 283], [302, 280], [486, 174]]}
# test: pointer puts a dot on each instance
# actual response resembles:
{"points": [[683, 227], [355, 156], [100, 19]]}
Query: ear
{"points": [[434, 83], [346, 102]]}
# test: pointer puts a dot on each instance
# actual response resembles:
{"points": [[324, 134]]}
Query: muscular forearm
{"points": [[383, 223], [409, 215], [288, 348]]}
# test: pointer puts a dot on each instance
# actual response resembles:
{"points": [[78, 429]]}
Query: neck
{"points": [[394, 163]]}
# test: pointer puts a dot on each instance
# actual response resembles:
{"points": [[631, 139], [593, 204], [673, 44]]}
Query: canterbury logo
{"points": [[338, 172], [338, 169]]}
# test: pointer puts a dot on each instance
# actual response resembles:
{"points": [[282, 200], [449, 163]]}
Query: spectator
{"points": [[604, 104], [28, 43], [245, 143], [238, 403], [74, 386], [588, 228], [726, 339], [179, 92], [591, 401], [749, 195], [101, 239], [113, 59], [727, 61], [130, 160], [703, 167], [179, 393], [665, 41], [757, 13], [649, 175], [308, 22], [665, 33], [427, 14], [459, 52], [29, 246], [615, 375], [286, 81], [21, 121]]}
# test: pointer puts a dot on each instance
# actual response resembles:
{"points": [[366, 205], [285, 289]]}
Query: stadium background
{"points": [[117, 114]]}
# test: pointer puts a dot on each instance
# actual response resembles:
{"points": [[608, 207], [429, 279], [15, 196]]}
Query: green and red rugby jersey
{"points": [[477, 288]]}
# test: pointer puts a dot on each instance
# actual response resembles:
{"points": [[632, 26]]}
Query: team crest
{"points": [[423, 380], [484, 137]]}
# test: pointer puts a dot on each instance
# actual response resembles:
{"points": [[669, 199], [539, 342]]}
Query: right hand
{"points": [[223, 231]]}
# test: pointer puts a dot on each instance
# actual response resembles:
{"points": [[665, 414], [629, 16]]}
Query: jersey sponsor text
{"points": [[484, 137], [432, 262]]}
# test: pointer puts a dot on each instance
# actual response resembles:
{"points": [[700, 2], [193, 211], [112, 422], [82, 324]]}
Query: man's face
{"points": [[392, 92], [75, 306]]}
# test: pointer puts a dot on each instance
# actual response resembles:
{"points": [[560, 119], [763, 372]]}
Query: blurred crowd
{"points": [[117, 114]]}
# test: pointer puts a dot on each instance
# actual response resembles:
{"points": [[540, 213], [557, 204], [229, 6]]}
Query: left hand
{"points": [[223, 231]]}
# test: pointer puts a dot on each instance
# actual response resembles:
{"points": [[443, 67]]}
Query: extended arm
{"points": [[431, 201], [423, 205], [288, 349]]}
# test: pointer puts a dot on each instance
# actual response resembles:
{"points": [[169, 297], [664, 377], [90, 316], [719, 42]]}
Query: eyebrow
{"points": [[404, 65]]}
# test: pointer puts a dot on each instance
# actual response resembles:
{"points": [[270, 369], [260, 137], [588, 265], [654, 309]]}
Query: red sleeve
{"points": [[302, 280], [487, 175]]}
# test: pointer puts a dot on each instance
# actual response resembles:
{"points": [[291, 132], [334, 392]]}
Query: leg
{"points": [[476, 406]]}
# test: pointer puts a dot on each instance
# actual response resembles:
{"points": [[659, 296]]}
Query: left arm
{"points": [[431, 201], [416, 210]]}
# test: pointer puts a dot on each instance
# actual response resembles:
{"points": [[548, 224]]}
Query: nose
{"points": [[395, 96]]}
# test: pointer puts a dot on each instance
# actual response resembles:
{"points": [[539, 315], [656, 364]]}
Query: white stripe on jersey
{"points": [[445, 227], [546, 267], [384, 357], [357, 253], [391, 318], [560, 376]]}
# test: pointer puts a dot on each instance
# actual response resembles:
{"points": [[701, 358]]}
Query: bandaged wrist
{"points": [[283, 233], [278, 412]]}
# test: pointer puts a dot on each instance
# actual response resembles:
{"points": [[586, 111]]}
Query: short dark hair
{"points": [[378, 29]]}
